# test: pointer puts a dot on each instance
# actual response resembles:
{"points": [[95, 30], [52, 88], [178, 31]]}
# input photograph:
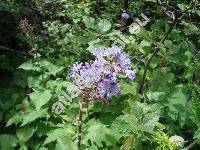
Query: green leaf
{"points": [[197, 134], [150, 121], [156, 96], [40, 98], [168, 44], [178, 97], [94, 44], [129, 88], [98, 133], [177, 104], [31, 116], [55, 69], [191, 29], [15, 119], [34, 82], [89, 22], [28, 65], [7, 142], [145, 44], [64, 143], [24, 134], [182, 6], [151, 1], [63, 138], [141, 118], [104, 25]]}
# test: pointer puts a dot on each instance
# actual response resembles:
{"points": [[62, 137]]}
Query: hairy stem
{"points": [[80, 118]]}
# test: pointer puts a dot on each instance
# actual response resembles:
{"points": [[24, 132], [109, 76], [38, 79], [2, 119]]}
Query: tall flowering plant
{"points": [[98, 79]]}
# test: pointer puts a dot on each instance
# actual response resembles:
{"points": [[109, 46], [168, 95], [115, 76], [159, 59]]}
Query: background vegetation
{"points": [[160, 109]]}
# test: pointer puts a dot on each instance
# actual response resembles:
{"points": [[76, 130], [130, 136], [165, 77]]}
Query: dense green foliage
{"points": [[164, 114]]}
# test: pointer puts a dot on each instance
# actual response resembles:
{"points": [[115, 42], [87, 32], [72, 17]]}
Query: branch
{"points": [[142, 86], [126, 5], [141, 89], [28, 4], [192, 144], [14, 51]]}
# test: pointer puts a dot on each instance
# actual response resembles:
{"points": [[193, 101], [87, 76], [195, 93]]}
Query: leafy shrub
{"points": [[161, 102]]}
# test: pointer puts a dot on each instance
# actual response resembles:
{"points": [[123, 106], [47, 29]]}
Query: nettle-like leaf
{"points": [[63, 138], [144, 46], [95, 43], [15, 119], [51, 68], [104, 25], [197, 134], [8, 142], [25, 134], [89, 22], [182, 6], [191, 29], [29, 65], [128, 88], [156, 96], [44, 65], [177, 104], [32, 115], [138, 124], [196, 108], [34, 82], [142, 118], [40, 98], [97, 133]]}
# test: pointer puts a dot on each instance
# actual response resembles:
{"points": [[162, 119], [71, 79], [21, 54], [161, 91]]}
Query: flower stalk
{"points": [[98, 79], [80, 118]]}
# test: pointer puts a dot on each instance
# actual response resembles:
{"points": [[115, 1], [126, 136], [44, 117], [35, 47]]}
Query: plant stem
{"points": [[14, 51], [142, 86], [80, 118], [126, 5], [192, 144], [141, 89]]}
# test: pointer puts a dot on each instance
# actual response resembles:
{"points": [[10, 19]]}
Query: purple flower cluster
{"points": [[125, 16], [100, 76]]}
